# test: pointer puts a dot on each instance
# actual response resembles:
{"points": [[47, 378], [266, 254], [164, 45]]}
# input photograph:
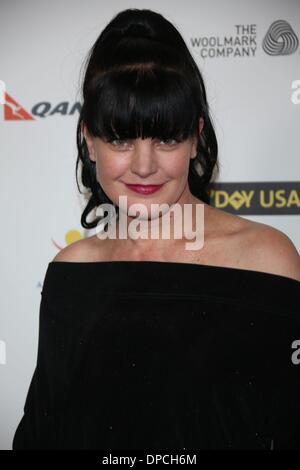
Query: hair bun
{"points": [[137, 30]]}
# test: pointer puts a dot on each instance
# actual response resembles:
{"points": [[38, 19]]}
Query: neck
{"points": [[182, 223]]}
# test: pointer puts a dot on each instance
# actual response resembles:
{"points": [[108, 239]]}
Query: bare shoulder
{"points": [[257, 246], [270, 250], [84, 250]]}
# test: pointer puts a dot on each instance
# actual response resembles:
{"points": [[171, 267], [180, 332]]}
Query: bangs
{"points": [[142, 101]]}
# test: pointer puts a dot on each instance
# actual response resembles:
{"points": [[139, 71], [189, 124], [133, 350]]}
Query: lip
{"points": [[144, 188]]}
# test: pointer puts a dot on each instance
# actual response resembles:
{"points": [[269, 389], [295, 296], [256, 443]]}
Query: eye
{"points": [[118, 142], [169, 142]]}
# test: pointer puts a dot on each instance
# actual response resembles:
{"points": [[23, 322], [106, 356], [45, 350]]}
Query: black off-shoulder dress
{"points": [[164, 355]]}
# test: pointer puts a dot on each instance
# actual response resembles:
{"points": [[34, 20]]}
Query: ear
{"points": [[89, 142], [195, 140], [201, 125]]}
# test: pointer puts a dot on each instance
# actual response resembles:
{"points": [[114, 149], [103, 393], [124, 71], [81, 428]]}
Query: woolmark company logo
{"points": [[280, 39], [240, 42]]}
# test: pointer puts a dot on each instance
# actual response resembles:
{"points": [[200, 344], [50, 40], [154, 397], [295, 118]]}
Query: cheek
{"points": [[177, 166], [110, 168]]}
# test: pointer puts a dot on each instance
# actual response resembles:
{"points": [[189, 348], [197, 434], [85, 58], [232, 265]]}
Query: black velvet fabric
{"points": [[163, 355]]}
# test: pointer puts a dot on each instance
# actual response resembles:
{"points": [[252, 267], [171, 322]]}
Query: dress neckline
{"points": [[139, 280], [181, 265]]}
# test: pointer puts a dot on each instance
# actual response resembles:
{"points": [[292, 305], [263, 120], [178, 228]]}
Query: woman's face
{"points": [[145, 162]]}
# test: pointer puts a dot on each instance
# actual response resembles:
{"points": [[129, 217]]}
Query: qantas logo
{"points": [[14, 111]]}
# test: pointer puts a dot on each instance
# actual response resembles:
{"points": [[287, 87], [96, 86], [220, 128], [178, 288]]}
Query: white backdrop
{"points": [[254, 107]]}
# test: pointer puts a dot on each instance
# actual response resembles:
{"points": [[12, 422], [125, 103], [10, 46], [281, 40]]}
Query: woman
{"points": [[144, 343]]}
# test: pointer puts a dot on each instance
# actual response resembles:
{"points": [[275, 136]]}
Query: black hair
{"points": [[141, 81]]}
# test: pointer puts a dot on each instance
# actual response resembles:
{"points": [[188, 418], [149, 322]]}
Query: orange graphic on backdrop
{"points": [[13, 111]]}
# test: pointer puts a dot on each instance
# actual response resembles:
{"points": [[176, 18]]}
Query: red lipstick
{"points": [[144, 188]]}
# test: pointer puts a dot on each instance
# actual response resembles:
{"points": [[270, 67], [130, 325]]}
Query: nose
{"points": [[143, 162]]}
